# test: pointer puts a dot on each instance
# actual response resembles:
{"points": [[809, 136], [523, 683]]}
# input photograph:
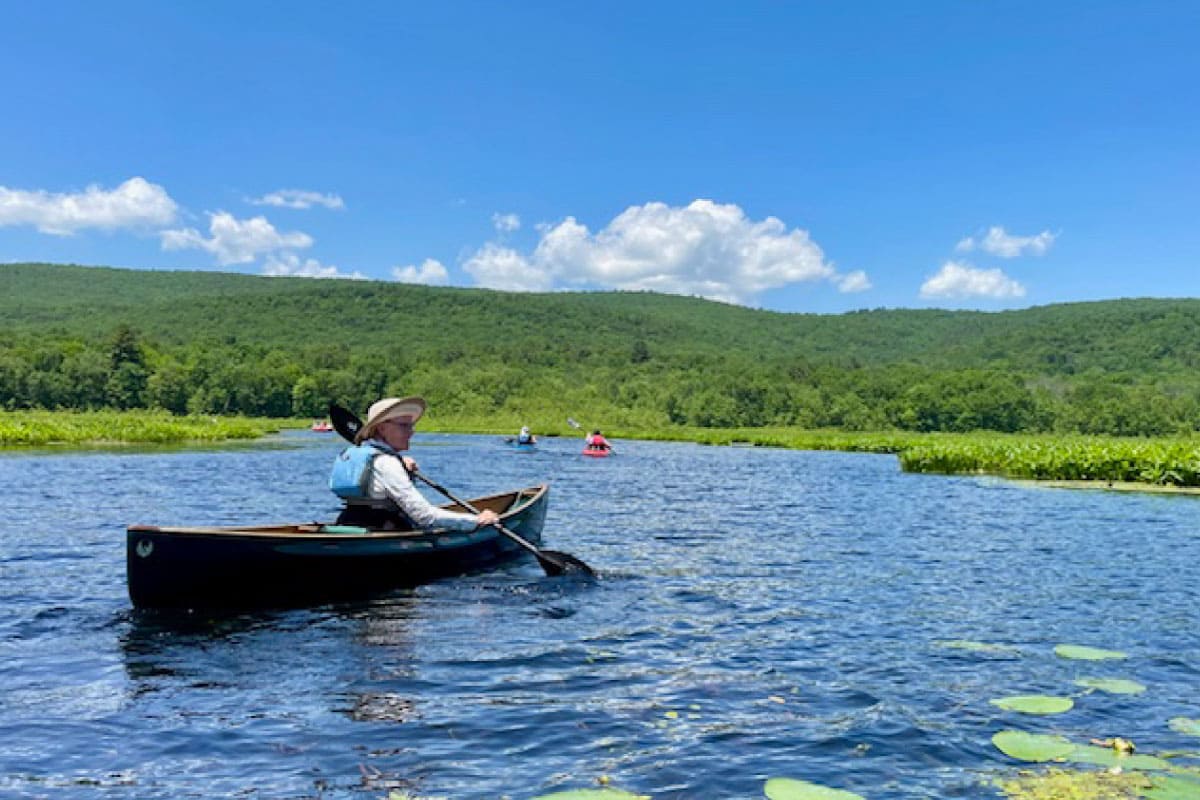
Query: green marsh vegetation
{"points": [[49, 428], [1105, 391], [1166, 461]]}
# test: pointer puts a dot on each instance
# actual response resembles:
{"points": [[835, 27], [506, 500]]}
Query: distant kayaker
{"points": [[525, 437], [596, 441], [373, 476]]}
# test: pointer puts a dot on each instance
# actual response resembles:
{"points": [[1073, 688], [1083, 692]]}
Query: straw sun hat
{"points": [[405, 409]]}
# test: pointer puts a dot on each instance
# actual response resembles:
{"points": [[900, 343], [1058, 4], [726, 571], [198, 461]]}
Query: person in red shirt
{"points": [[596, 441]]}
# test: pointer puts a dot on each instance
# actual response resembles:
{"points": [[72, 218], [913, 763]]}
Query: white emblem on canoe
{"points": [[145, 547]]}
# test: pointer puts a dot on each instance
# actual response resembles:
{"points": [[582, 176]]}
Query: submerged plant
{"points": [[1111, 685], [1059, 784], [980, 647], [1191, 727]]}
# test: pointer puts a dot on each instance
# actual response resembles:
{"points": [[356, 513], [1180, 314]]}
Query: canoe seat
{"points": [[380, 515], [344, 529]]}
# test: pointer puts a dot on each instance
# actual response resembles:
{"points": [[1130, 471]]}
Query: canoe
{"points": [[524, 447], [597, 452], [287, 565]]}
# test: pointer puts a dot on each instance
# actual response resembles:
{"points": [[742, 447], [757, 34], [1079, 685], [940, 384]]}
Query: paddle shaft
{"points": [[528, 545]]}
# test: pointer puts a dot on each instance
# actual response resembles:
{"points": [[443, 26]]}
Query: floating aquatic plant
{"points": [[1173, 787], [1191, 727], [980, 647], [1111, 685], [1059, 784], [792, 789], [1108, 757], [1036, 747], [1034, 704], [593, 794], [1077, 651]]}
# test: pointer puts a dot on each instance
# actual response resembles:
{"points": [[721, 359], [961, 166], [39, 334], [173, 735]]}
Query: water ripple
{"points": [[759, 613]]}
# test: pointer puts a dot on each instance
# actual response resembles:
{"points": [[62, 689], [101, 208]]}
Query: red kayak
{"points": [[597, 452]]}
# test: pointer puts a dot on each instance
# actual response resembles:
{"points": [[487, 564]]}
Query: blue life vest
{"points": [[351, 475]]}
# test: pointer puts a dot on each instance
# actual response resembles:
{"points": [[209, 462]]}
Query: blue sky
{"points": [[793, 156]]}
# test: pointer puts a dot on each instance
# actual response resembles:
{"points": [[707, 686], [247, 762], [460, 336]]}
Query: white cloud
{"points": [[503, 268], [289, 264], [956, 280], [704, 248], [1000, 243], [136, 203], [298, 198], [856, 281], [235, 241], [430, 272], [506, 223]]}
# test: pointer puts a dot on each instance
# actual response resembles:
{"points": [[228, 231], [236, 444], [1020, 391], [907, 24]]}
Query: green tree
{"points": [[126, 386], [125, 348], [168, 388]]}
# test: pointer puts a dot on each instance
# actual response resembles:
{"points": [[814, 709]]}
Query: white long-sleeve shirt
{"points": [[389, 479]]}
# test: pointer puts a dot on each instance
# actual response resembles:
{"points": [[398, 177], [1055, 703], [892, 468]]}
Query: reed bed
{"points": [[1162, 461], [41, 428]]}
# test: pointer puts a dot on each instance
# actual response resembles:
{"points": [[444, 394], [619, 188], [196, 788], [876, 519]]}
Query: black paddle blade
{"points": [[344, 421], [556, 562]]}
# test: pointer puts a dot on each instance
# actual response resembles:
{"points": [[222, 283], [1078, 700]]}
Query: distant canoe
{"points": [[321, 427], [282, 565], [597, 452]]}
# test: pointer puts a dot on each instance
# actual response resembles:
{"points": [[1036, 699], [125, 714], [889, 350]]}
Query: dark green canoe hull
{"points": [[286, 565]]}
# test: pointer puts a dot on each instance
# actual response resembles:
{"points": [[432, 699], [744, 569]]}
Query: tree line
{"points": [[124, 371], [205, 343]]}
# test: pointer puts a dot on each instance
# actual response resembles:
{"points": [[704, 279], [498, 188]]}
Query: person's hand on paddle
{"points": [[487, 518], [410, 465]]}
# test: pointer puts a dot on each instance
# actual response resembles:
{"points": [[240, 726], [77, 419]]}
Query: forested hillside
{"points": [[90, 337]]}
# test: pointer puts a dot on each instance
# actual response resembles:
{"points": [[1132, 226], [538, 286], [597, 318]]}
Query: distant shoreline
{"points": [[1163, 465]]}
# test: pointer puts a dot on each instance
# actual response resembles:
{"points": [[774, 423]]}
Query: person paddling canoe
{"points": [[373, 477]]}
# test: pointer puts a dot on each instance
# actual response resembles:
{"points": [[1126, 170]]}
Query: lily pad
{"points": [[1035, 704], [1184, 725], [1167, 787], [980, 647], [1107, 757], [1080, 652], [792, 789], [1111, 685], [1035, 747], [593, 794]]}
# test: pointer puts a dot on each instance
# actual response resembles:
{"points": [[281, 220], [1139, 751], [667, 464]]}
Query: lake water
{"points": [[760, 613]]}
